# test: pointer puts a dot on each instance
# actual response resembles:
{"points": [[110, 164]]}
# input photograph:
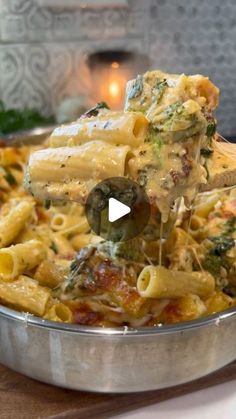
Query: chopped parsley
{"points": [[152, 134], [206, 152], [74, 266], [159, 89], [54, 248], [230, 225], [175, 109], [10, 178], [211, 129], [157, 147], [222, 244], [213, 263], [136, 88], [47, 204]]}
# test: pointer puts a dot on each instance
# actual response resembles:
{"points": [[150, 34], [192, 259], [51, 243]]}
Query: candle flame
{"points": [[114, 89]]}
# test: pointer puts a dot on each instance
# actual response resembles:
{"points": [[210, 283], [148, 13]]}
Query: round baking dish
{"points": [[116, 360]]}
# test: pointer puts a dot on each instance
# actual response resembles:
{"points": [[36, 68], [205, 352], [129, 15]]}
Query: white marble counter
{"points": [[218, 402]]}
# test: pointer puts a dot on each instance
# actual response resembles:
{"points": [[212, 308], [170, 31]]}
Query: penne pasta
{"points": [[82, 240], [50, 273], [181, 267], [25, 294], [204, 208], [39, 232], [70, 172], [62, 245], [9, 156], [183, 309], [218, 302], [127, 128], [20, 258], [61, 221], [59, 313], [14, 221], [159, 282], [177, 239], [69, 224]]}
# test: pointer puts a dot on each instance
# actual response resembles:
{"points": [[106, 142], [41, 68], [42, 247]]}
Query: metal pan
{"points": [[116, 360]]}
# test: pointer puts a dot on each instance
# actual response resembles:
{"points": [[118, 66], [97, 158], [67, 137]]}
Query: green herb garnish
{"points": [[54, 248], [10, 178], [157, 147], [206, 152], [211, 129], [74, 266], [175, 108], [128, 251], [95, 110], [159, 89], [230, 225], [47, 204], [213, 264], [136, 88], [222, 244]]}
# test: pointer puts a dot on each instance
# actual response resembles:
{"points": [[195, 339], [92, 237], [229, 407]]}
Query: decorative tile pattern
{"points": [[42, 75], [25, 20], [43, 51], [198, 37]]}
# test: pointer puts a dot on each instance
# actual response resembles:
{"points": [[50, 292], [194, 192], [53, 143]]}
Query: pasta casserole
{"points": [[51, 263]]}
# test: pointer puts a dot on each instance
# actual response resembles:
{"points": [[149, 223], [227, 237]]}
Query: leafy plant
{"points": [[12, 120]]}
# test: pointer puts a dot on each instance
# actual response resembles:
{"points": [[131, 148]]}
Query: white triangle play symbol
{"points": [[116, 210]]}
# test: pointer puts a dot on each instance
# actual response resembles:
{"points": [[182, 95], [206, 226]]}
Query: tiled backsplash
{"points": [[43, 51]]}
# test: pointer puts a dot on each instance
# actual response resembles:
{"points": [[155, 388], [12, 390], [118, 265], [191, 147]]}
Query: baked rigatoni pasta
{"points": [[163, 141], [20, 258], [9, 156], [25, 294], [50, 273], [160, 282], [82, 240], [100, 286], [59, 313], [14, 221], [127, 128], [169, 127], [69, 173]]}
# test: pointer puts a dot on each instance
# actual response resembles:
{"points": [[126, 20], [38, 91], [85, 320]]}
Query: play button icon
{"points": [[117, 209]]}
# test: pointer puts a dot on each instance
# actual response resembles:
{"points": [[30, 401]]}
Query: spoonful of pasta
{"points": [[165, 140]]}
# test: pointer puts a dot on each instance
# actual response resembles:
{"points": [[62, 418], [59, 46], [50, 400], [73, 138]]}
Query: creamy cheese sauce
{"points": [[168, 164]]}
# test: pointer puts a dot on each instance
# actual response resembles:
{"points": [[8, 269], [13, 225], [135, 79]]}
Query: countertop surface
{"points": [[217, 402], [209, 397]]}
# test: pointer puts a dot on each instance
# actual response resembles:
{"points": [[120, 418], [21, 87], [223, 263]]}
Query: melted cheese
{"points": [[178, 109]]}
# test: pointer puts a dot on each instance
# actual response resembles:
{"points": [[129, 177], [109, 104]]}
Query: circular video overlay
{"points": [[117, 209]]}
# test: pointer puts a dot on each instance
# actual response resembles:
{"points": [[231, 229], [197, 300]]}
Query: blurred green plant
{"points": [[12, 120]]}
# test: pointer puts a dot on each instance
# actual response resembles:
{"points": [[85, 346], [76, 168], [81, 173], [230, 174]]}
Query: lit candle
{"points": [[110, 71]]}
